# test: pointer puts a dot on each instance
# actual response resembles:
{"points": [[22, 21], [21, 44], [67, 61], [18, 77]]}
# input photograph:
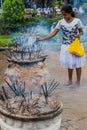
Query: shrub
{"points": [[13, 13], [5, 41]]}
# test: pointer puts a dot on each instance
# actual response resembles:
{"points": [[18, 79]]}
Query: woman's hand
{"points": [[39, 39], [77, 36], [79, 33], [52, 34]]}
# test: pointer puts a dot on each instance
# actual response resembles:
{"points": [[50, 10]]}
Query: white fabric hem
{"points": [[70, 61]]}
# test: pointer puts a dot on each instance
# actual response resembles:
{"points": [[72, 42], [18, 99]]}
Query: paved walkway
{"points": [[74, 115]]}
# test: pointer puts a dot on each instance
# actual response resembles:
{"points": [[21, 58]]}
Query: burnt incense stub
{"points": [[17, 101], [22, 108], [44, 121], [26, 51], [36, 110], [26, 92], [27, 95], [29, 111]]}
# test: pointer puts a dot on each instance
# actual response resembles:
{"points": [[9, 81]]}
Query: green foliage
{"points": [[49, 20], [31, 12], [5, 41], [85, 4], [58, 4], [13, 13], [31, 21]]}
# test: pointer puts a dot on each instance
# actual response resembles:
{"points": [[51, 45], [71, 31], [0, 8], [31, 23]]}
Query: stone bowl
{"points": [[44, 121]]}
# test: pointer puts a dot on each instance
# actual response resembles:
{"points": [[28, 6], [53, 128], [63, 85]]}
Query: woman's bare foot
{"points": [[76, 85], [68, 83]]}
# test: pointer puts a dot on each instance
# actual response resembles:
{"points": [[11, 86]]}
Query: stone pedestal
{"points": [[50, 121]]}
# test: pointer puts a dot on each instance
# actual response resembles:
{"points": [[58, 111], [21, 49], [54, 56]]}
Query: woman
{"points": [[71, 28]]}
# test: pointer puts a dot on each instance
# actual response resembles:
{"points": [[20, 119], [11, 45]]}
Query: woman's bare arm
{"points": [[52, 34], [80, 33]]}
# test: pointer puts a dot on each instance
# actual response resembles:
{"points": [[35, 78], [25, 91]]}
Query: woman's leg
{"points": [[70, 73], [78, 74]]}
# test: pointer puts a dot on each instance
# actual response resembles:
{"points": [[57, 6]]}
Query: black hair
{"points": [[68, 9]]}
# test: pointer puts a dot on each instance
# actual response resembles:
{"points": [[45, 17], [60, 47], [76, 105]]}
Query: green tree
{"points": [[13, 13]]}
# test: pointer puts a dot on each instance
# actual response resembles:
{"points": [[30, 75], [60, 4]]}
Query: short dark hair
{"points": [[68, 9]]}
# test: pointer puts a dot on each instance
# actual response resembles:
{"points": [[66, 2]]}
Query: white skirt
{"points": [[68, 60]]}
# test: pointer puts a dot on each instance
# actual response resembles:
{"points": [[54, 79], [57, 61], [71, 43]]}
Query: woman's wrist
{"points": [[80, 34]]}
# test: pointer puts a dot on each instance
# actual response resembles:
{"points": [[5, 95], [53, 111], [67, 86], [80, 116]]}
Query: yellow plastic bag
{"points": [[76, 48]]}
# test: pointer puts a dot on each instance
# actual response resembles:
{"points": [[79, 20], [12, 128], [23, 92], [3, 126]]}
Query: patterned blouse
{"points": [[69, 30]]}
